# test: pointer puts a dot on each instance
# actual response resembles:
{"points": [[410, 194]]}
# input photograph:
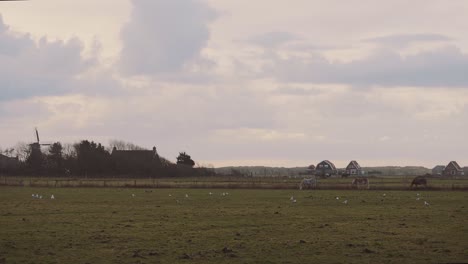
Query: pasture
{"points": [[110, 225]]}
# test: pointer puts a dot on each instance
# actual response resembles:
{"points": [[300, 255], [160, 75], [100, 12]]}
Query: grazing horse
{"points": [[308, 183], [419, 180], [360, 182]]}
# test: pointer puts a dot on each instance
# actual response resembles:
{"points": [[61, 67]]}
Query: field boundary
{"points": [[229, 183]]}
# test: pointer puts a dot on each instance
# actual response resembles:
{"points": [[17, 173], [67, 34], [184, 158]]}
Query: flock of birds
{"points": [[39, 196], [292, 199], [418, 197]]}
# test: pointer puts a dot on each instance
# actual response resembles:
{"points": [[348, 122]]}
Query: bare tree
{"points": [[68, 150], [122, 145], [22, 151]]}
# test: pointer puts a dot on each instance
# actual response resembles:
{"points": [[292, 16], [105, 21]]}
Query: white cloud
{"points": [[438, 68], [164, 36]]}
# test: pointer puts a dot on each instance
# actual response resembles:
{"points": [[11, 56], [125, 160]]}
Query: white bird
{"points": [[223, 194], [294, 201], [292, 198], [227, 193], [417, 199], [40, 196], [52, 197], [384, 195], [417, 194], [133, 195], [170, 195], [211, 193], [426, 203], [337, 198], [345, 202], [186, 195]]}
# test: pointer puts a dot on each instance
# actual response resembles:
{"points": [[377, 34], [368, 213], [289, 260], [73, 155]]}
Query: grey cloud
{"points": [[47, 68], [273, 39], [405, 39], [445, 67], [162, 36]]}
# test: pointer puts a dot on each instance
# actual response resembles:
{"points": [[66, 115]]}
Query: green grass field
{"points": [[108, 225]]}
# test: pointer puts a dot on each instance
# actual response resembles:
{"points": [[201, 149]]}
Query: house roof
{"points": [[439, 167], [136, 155], [354, 164], [311, 167], [455, 165], [329, 163]]}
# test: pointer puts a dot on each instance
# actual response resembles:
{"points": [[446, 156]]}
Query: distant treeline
{"points": [[91, 159]]}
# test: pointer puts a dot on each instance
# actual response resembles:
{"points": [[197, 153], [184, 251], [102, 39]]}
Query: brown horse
{"points": [[360, 182], [419, 180]]}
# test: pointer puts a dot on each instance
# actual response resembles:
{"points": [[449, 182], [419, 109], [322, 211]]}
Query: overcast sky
{"points": [[237, 82]]}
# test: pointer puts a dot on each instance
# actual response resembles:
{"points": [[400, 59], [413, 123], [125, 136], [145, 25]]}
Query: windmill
{"points": [[37, 145]]}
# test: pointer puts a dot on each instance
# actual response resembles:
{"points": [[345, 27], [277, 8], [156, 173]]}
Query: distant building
{"points": [[325, 169], [7, 163], [353, 168], [311, 169], [438, 170], [453, 169], [135, 160]]}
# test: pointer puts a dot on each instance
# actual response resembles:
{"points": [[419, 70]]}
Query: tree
{"points": [[55, 157], [92, 158], [185, 159], [122, 145]]}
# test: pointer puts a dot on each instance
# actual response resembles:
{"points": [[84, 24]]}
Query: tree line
{"points": [[92, 159]]}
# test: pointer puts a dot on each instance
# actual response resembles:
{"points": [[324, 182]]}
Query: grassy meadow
{"points": [[110, 225]]}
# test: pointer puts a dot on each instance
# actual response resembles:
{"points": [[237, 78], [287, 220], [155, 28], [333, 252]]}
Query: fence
{"points": [[382, 183]]}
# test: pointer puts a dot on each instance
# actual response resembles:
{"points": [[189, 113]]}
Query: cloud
{"points": [[273, 39], [444, 67], [402, 40], [164, 36], [30, 69]]}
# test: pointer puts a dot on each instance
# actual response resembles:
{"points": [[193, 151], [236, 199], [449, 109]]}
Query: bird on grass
{"points": [[292, 198], [345, 202], [52, 197], [426, 203], [384, 195], [337, 198], [133, 195], [186, 195], [294, 201]]}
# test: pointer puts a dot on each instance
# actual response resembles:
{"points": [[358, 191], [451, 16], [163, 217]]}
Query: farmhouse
{"points": [[7, 163], [129, 160], [353, 168], [438, 170], [453, 169], [325, 169], [311, 169]]}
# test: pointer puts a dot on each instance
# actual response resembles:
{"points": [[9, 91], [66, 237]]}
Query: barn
{"points": [[353, 168], [453, 169], [438, 170], [325, 169], [311, 169], [143, 161]]}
